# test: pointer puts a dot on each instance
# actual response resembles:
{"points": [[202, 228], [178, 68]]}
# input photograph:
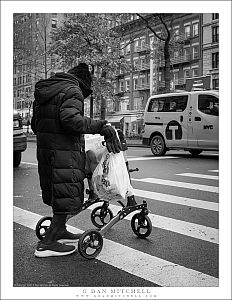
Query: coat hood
{"points": [[46, 89]]}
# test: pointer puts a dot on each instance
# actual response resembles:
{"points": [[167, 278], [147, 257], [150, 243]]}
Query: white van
{"points": [[185, 120]]}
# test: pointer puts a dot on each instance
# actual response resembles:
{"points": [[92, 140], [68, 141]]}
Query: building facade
{"points": [[31, 60], [146, 55], [210, 47], [194, 52]]}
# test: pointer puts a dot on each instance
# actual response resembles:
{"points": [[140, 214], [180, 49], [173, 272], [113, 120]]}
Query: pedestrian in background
{"points": [[59, 124]]}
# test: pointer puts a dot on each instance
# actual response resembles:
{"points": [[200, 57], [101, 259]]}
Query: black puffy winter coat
{"points": [[59, 123]]}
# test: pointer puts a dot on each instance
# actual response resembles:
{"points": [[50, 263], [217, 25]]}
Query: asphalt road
{"points": [[182, 249]]}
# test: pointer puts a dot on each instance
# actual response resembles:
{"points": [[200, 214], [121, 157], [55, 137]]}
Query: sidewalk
{"points": [[130, 142]]}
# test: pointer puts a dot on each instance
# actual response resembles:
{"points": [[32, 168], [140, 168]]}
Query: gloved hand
{"points": [[112, 142]]}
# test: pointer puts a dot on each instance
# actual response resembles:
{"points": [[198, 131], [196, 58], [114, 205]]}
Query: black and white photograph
{"points": [[113, 189]]}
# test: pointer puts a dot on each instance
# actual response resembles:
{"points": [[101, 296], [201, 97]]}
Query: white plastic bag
{"points": [[111, 179]]}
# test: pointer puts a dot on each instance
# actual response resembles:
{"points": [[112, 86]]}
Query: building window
{"points": [[187, 53], [176, 53], [195, 52], [143, 42], [121, 86], [195, 29], [195, 72], [136, 44], [176, 31], [127, 85], [136, 64], [215, 34], [215, 16], [142, 81], [151, 40], [54, 23], [175, 77], [187, 31], [18, 105], [135, 83], [215, 83], [54, 15], [15, 82], [128, 48], [122, 48], [187, 73], [215, 60]]}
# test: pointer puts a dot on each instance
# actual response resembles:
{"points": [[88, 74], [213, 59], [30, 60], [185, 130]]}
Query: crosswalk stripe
{"points": [[192, 230], [199, 176], [143, 265], [29, 163], [186, 185], [216, 171], [150, 157], [177, 200]]}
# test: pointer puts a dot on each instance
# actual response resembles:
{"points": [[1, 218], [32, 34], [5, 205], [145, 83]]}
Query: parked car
{"points": [[186, 120], [19, 139]]}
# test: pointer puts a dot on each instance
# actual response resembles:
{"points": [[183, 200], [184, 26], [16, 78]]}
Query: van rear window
{"points": [[208, 104], [176, 103]]}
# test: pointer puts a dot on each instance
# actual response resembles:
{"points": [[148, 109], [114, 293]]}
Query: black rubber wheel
{"points": [[42, 227], [195, 152], [141, 225], [90, 243], [158, 147], [100, 216], [17, 158]]}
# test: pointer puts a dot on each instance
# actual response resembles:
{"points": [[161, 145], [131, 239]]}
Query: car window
{"points": [[168, 104], [208, 104]]}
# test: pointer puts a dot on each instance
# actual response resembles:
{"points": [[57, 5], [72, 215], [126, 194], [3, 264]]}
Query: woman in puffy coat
{"points": [[59, 123]]}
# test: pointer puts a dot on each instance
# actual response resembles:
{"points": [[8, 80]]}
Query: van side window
{"points": [[208, 104], [156, 105], [168, 104]]}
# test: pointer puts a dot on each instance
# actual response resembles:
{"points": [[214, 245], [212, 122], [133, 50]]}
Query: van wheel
{"points": [[158, 147], [195, 152], [17, 158]]}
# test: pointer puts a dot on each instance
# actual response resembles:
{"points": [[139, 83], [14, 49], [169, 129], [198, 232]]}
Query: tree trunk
{"points": [[167, 69], [103, 108]]}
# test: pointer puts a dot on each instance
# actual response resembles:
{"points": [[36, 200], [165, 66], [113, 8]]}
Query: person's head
{"points": [[81, 72]]}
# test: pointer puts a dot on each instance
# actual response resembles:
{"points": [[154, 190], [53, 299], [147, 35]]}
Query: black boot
{"points": [[49, 245], [131, 201]]}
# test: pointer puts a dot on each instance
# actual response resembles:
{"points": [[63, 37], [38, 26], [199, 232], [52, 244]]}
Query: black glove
{"points": [[112, 142]]}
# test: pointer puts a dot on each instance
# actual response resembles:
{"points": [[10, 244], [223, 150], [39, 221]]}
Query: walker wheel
{"points": [[101, 216], [141, 225], [42, 227], [90, 243]]}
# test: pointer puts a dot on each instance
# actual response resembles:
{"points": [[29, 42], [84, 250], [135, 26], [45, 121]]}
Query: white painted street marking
{"points": [[150, 157], [29, 163], [185, 185], [146, 266], [216, 171], [199, 176], [177, 200], [192, 230]]}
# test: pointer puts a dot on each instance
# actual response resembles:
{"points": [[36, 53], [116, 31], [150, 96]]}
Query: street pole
{"points": [[151, 72]]}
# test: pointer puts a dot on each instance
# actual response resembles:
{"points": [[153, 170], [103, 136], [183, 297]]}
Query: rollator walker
{"points": [[91, 241]]}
